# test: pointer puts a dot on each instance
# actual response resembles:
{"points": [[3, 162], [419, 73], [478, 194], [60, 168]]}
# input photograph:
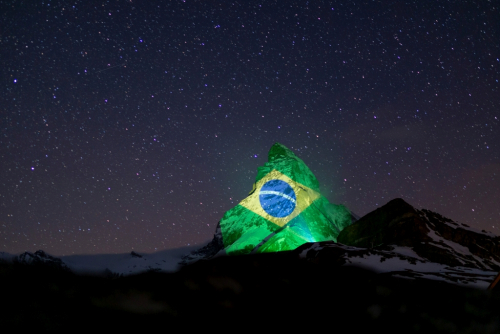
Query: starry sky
{"points": [[134, 125]]}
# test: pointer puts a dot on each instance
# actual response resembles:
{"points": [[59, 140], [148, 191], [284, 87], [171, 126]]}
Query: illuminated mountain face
{"points": [[283, 211]]}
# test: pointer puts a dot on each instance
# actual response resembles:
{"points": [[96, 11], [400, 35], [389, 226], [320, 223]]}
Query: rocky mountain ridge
{"points": [[431, 236], [395, 239], [40, 258], [399, 240]]}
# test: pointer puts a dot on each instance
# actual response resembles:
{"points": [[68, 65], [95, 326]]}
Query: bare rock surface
{"points": [[428, 234]]}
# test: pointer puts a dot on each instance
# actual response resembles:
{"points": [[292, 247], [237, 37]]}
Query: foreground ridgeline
{"points": [[405, 270], [315, 281]]}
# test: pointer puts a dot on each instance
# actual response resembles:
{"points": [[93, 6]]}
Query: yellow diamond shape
{"points": [[304, 197]]}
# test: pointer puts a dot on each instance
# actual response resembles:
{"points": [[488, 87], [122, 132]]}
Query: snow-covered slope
{"points": [[40, 258], [214, 248], [394, 240], [399, 240], [470, 247], [398, 262], [127, 264], [106, 264], [428, 234]]}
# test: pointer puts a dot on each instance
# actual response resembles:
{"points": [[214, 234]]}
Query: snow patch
{"points": [[128, 264]]}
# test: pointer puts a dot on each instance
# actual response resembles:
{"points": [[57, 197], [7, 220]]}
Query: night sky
{"points": [[134, 125]]}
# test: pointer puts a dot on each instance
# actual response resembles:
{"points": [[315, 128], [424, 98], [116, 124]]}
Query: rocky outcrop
{"points": [[40, 258], [396, 262], [428, 234], [206, 252], [134, 254]]}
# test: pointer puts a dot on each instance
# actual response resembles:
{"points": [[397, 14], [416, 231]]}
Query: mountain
{"points": [[213, 248], [286, 290], [401, 241], [129, 263], [398, 226], [391, 273], [216, 246], [40, 258], [393, 240], [399, 262], [109, 265]]}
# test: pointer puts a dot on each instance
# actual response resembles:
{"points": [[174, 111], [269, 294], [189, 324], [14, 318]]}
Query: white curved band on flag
{"points": [[272, 192]]}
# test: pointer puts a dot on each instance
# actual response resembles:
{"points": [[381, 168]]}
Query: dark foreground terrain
{"points": [[229, 294]]}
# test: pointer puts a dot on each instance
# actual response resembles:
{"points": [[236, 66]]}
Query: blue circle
{"points": [[277, 198]]}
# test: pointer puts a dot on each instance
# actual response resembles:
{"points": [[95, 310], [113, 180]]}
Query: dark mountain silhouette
{"points": [[390, 272], [40, 258], [286, 290], [395, 239], [430, 235], [412, 243]]}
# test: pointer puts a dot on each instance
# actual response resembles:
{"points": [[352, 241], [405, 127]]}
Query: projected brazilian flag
{"points": [[283, 211]]}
